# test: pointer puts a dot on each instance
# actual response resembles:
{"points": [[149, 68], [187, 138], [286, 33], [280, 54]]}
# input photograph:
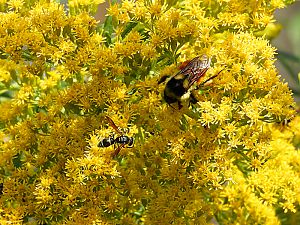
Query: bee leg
{"points": [[179, 105], [171, 106], [193, 99]]}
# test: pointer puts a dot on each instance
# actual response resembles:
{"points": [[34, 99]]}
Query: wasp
{"points": [[179, 85], [121, 140]]}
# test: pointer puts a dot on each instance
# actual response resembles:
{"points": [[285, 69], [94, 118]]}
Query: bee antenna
{"points": [[214, 76], [162, 79]]}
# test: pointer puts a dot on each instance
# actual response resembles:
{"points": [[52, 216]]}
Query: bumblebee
{"points": [[121, 140], [179, 86]]}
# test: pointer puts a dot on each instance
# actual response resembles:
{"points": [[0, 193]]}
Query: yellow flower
{"points": [[252, 110], [4, 74], [156, 9], [127, 5], [113, 10], [229, 155], [15, 5], [139, 11], [148, 51], [24, 94]]}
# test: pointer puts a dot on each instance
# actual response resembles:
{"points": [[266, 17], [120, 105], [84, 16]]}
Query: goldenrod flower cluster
{"points": [[231, 158]]}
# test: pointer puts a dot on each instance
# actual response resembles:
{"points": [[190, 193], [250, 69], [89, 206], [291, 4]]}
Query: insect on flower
{"points": [[121, 140], [179, 85]]}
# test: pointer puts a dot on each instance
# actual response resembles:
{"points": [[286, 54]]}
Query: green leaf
{"points": [[128, 28], [108, 29]]}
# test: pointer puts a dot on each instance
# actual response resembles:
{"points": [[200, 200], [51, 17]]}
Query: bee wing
{"points": [[111, 122], [195, 69]]}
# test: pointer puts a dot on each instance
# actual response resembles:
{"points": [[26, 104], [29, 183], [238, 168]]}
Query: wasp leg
{"points": [[116, 152], [126, 130]]}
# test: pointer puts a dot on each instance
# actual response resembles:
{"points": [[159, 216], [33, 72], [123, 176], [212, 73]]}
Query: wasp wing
{"points": [[111, 122]]}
